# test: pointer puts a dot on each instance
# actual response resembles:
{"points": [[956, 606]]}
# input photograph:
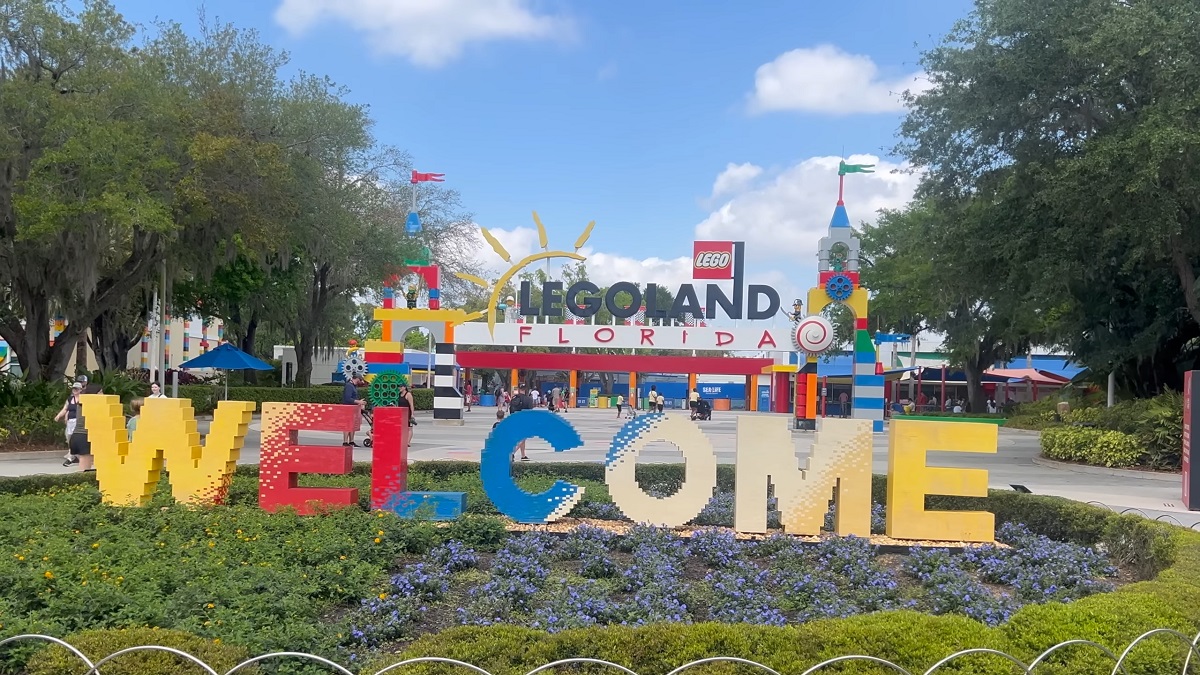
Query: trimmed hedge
{"points": [[1100, 447], [97, 644]]}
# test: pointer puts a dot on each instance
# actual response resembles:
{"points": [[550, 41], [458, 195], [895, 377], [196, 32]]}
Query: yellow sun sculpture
{"points": [[543, 241]]}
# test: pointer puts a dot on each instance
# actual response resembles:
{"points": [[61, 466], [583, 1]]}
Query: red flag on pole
{"points": [[418, 177]]}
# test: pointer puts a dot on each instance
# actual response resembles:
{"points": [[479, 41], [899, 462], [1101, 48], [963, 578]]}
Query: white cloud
{"points": [[734, 178], [783, 220], [427, 33], [826, 79]]}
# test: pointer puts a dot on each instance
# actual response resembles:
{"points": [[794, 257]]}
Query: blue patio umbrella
{"points": [[227, 357]]}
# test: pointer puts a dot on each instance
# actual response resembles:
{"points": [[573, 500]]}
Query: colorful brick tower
{"points": [[838, 258]]}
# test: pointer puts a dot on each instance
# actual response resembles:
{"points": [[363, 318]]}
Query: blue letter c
{"points": [[495, 463]]}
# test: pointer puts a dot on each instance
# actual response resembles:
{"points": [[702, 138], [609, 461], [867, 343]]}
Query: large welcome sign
{"points": [[839, 468]]}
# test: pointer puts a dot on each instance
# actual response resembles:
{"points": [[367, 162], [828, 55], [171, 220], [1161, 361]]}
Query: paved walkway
{"points": [[1156, 496]]}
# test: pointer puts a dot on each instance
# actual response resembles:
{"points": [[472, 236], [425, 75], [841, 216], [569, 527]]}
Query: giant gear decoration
{"points": [[385, 390], [839, 287], [354, 366], [813, 335]]}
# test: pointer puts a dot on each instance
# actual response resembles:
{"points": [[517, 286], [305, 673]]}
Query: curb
{"points": [[1106, 471], [32, 454], [1025, 432]]}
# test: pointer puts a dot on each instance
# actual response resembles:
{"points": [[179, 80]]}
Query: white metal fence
{"points": [[1188, 646]]}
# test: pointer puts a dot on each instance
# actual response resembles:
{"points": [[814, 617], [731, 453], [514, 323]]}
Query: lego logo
{"points": [[714, 260]]}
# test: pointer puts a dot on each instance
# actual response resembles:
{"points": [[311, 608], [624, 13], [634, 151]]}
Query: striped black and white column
{"points": [[447, 400]]}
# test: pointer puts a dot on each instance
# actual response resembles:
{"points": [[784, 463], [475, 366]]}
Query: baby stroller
{"points": [[369, 415], [702, 411]]}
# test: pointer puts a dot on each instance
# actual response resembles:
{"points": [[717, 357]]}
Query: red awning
{"points": [[1029, 375]]}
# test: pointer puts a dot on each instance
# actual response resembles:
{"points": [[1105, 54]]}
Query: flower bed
{"points": [[362, 583], [591, 577]]}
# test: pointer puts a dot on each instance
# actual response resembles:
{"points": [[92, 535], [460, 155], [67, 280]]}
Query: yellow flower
{"points": [[341, 557], [84, 582], [49, 574], [380, 533], [20, 557], [96, 545], [216, 641], [209, 606], [383, 596], [377, 540]]}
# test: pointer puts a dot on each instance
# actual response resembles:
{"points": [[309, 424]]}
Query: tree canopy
{"points": [[1059, 204], [265, 199]]}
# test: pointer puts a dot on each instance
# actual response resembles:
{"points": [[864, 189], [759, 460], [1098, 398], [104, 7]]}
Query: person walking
{"points": [[350, 397], [520, 401], [70, 414], [406, 401], [693, 400], [660, 401], [620, 405]]}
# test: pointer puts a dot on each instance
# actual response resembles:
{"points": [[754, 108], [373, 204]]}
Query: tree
{"points": [[926, 267], [85, 155], [117, 162], [1059, 118]]}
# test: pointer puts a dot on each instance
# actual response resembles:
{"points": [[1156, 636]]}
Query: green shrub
{"points": [[1100, 447], [28, 425], [422, 399], [1161, 431], [16, 392], [97, 644]]}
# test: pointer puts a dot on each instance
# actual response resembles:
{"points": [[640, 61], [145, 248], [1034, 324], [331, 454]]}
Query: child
{"points": [[521, 445], [136, 407]]}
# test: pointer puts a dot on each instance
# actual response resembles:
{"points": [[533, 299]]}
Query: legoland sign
{"points": [[128, 471], [712, 260]]}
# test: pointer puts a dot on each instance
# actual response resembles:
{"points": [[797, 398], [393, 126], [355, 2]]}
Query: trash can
{"points": [[603, 401], [487, 400]]}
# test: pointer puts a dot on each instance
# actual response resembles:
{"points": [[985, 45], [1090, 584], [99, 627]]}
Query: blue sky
{"points": [[627, 113]]}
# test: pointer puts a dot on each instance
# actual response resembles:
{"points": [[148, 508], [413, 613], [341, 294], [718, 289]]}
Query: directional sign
{"points": [[413, 224]]}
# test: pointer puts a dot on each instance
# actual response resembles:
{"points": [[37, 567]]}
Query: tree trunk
{"points": [[310, 326], [250, 376], [81, 360], [1187, 277], [304, 357], [975, 394], [110, 343]]}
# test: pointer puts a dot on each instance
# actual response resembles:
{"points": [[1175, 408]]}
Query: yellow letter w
{"points": [[128, 472]]}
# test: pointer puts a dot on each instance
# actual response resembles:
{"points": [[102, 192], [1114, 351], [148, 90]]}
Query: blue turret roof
{"points": [[840, 217]]}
